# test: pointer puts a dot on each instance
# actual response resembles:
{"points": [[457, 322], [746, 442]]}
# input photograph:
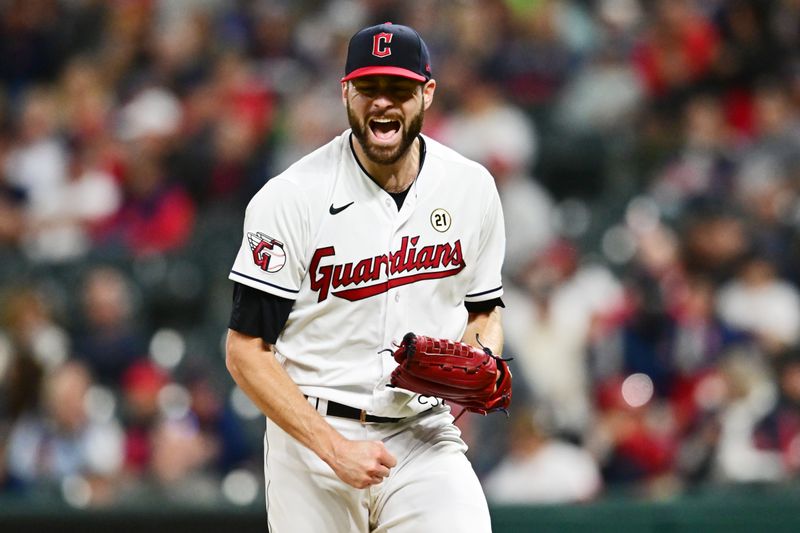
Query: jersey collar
{"points": [[423, 150]]}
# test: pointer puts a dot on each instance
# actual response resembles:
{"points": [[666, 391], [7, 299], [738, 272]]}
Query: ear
{"points": [[427, 93], [344, 92]]}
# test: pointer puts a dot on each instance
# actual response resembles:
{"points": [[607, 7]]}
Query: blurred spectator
{"points": [[604, 97], [784, 19], [658, 260], [769, 200], [671, 333], [109, 339], [779, 430], [37, 164], [181, 43], [539, 468], [179, 441], [177, 470], [28, 319], [766, 184], [124, 54], [749, 395], [489, 129], [534, 63], [749, 52], [777, 128], [85, 106], [634, 436], [217, 423], [20, 391], [704, 166], [12, 201], [759, 302], [549, 330], [677, 51], [700, 338], [618, 21], [142, 383], [151, 120], [30, 42], [8, 483], [606, 92], [229, 114], [500, 136], [21, 385], [60, 228], [311, 130], [66, 438], [714, 238], [695, 461], [156, 215]]}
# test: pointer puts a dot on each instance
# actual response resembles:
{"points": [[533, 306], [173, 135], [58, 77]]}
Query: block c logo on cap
{"points": [[380, 44]]}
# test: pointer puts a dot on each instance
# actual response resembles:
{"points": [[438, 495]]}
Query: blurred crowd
{"points": [[647, 154]]}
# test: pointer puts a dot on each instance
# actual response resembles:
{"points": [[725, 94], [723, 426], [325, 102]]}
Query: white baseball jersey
{"points": [[362, 273]]}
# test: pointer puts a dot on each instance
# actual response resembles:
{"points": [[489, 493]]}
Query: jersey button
{"points": [[397, 297], [388, 202]]}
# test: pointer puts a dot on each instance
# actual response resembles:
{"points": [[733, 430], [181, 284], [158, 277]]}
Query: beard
{"points": [[386, 155]]}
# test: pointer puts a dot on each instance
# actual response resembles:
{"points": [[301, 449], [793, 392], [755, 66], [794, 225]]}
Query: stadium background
{"points": [[647, 155]]}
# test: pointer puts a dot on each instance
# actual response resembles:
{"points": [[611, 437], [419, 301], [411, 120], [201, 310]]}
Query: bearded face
{"points": [[386, 132]]}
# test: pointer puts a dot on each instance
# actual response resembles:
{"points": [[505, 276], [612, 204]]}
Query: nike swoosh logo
{"points": [[336, 210]]}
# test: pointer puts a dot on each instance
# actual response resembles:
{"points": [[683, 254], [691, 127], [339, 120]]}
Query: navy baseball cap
{"points": [[389, 49]]}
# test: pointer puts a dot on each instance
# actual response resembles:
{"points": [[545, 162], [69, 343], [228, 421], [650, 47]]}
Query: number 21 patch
{"points": [[440, 220]]}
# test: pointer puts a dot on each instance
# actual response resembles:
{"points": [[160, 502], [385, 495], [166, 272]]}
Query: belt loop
{"points": [[322, 406], [363, 416]]}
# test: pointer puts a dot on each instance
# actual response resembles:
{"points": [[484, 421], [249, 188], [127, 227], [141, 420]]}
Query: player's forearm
{"points": [[487, 327], [253, 366]]}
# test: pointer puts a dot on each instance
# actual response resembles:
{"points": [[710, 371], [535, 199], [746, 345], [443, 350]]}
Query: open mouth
{"points": [[384, 129]]}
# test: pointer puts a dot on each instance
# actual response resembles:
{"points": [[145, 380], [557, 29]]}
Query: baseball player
{"points": [[383, 238]]}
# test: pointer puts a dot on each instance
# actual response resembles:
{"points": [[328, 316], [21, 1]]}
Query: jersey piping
{"points": [[473, 295], [293, 291]]}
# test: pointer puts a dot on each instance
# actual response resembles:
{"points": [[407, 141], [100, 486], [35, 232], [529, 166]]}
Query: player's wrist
{"points": [[333, 449]]}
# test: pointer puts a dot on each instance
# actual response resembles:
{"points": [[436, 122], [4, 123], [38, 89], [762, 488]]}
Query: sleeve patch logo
{"points": [[268, 253]]}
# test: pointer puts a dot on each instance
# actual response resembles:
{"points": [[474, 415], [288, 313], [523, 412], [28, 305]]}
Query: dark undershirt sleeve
{"points": [[484, 307], [258, 314]]}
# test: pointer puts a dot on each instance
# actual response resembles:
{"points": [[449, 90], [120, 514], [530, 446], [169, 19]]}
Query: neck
{"points": [[395, 177]]}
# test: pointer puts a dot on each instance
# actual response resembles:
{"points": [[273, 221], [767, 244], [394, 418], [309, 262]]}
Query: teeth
{"points": [[383, 120]]}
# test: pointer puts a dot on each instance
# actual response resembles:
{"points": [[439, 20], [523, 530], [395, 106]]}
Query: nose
{"points": [[382, 101]]}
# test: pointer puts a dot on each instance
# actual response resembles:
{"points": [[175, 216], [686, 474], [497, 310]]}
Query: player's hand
{"points": [[362, 463]]}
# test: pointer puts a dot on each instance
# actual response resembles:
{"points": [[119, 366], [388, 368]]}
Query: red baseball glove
{"points": [[454, 371]]}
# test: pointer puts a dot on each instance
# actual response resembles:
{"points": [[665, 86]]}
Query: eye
{"points": [[403, 92], [367, 90], [400, 92]]}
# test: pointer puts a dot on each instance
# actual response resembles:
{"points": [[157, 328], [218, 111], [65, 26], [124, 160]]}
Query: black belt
{"points": [[345, 411]]}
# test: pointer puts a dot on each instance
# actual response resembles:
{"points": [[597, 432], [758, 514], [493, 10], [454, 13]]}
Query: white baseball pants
{"points": [[432, 488]]}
